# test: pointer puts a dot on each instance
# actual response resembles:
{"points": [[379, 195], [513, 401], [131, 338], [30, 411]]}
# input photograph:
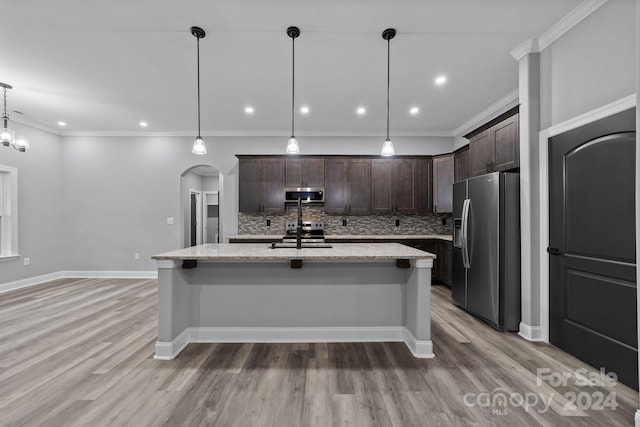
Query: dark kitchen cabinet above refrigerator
{"points": [[495, 147]]}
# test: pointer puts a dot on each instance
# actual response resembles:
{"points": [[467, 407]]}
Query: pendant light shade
{"points": [[198, 144], [292, 144], [387, 147]]}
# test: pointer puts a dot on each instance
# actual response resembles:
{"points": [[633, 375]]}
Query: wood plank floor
{"points": [[79, 352]]}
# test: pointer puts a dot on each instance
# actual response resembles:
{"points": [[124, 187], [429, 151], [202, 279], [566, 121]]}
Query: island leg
{"points": [[173, 310], [418, 309]]}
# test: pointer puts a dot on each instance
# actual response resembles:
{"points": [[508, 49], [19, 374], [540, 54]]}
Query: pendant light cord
{"points": [[293, 83], [198, 61], [388, 80]]}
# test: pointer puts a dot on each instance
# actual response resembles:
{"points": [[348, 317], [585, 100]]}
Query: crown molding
{"points": [[525, 48], [570, 20], [495, 109], [32, 124]]}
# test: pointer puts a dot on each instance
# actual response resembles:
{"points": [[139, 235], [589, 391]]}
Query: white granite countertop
{"points": [[263, 251], [446, 237]]}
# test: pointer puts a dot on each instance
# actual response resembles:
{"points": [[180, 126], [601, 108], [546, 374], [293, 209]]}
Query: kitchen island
{"points": [[253, 293]]}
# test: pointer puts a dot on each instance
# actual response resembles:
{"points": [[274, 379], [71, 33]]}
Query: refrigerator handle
{"points": [[465, 237]]}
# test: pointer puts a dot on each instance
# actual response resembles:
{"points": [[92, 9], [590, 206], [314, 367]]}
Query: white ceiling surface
{"points": [[103, 66]]}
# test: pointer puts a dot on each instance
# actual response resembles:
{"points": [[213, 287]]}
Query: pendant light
{"points": [[7, 136], [292, 145], [387, 147], [198, 144]]}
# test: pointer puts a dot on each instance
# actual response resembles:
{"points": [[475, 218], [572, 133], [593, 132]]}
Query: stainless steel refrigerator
{"points": [[486, 248]]}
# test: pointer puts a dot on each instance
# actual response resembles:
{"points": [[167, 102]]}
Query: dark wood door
{"points": [[272, 180], [461, 165], [404, 186], [359, 191], [592, 261], [249, 180], [443, 184], [506, 143], [304, 172], [480, 153], [381, 186], [293, 172], [313, 172], [335, 185], [424, 185]]}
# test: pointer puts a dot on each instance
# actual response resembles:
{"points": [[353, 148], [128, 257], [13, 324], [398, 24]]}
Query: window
{"points": [[8, 212]]}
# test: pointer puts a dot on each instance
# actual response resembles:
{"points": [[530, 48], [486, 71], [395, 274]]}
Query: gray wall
{"points": [[91, 203], [591, 65], [41, 235]]}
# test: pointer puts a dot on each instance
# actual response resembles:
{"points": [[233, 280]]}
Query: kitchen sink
{"points": [[277, 245]]}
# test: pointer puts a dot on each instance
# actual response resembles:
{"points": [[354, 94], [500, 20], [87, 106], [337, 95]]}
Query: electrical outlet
{"points": [[344, 222], [170, 221], [268, 223], [444, 220], [137, 256], [397, 223], [27, 261]]}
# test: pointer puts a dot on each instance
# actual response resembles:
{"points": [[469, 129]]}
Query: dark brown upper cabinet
{"points": [[261, 184], [393, 185], [304, 172], [461, 164], [347, 185], [424, 184], [443, 183], [495, 147]]}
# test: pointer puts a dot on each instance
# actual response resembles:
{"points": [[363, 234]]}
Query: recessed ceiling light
{"points": [[248, 110], [304, 109], [62, 124], [361, 111], [143, 124], [414, 110], [440, 80]]}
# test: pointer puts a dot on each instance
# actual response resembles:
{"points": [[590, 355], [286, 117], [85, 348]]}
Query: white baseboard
{"points": [[30, 281], [420, 349], [531, 333], [112, 274], [169, 350], [637, 418], [37, 280]]}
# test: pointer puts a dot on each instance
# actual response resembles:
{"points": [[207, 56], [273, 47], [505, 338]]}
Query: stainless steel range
{"points": [[312, 232]]}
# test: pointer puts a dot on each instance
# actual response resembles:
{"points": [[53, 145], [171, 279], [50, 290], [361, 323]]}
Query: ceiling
{"points": [[102, 67]]}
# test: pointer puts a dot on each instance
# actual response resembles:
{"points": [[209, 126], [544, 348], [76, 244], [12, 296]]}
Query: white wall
{"points": [[119, 191], [41, 226], [591, 65]]}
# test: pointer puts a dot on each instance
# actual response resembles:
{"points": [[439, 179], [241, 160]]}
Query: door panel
{"points": [[592, 277], [480, 153], [381, 189], [595, 193], [359, 186], [335, 185]]}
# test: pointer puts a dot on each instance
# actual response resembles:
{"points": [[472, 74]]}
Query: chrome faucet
{"points": [[299, 226]]}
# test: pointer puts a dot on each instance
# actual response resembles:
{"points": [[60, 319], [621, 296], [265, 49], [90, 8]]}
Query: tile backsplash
{"points": [[356, 224]]}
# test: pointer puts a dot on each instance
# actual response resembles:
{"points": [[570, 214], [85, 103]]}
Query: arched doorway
{"points": [[200, 200]]}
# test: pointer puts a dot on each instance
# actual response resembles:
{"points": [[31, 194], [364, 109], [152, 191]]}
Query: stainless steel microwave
{"points": [[305, 194]]}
